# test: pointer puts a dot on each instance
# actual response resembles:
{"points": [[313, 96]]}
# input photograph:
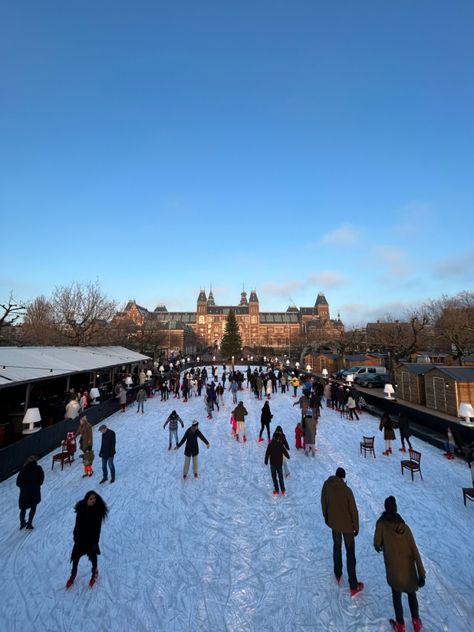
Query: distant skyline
{"points": [[293, 148]]}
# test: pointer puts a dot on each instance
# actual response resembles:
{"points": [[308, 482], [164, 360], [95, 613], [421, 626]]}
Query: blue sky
{"points": [[293, 147]]}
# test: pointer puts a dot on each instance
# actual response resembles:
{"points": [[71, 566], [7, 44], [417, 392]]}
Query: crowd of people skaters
{"points": [[404, 568]]}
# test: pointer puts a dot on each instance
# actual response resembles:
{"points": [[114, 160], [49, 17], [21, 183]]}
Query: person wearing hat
{"points": [[107, 452], [403, 565], [191, 450], [341, 515]]}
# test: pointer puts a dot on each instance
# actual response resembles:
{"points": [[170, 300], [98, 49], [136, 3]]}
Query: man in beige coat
{"points": [[341, 515], [403, 565]]}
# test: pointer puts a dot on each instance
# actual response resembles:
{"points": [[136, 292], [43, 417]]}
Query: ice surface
{"points": [[221, 553]]}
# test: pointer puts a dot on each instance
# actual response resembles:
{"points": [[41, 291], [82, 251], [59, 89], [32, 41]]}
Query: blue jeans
{"points": [[110, 462], [174, 433]]}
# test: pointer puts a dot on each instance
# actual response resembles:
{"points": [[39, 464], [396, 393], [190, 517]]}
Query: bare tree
{"points": [[453, 323], [11, 311], [39, 327], [352, 340], [80, 310]]}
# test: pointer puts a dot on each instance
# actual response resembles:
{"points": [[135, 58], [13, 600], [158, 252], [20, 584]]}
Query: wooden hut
{"points": [[321, 361], [410, 382], [447, 386]]}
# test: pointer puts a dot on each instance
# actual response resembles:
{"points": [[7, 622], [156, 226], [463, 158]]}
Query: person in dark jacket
{"points": [[403, 565], [386, 425], [340, 514], [405, 432], [265, 419], [107, 452], [191, 450], [275, 453], [279, 435], [91, 511], [29, 480]]}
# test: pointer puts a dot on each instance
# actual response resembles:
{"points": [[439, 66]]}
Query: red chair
{"points": [[413, 463], [367, 445]]}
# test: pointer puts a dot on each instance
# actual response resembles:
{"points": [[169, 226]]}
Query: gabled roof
{"points": [[321, 299], [143, 310], [458, 373], [202, 298], [278, 317], [253, 297], [27, 364], [417, 368], [161, 308], [356, 357]]}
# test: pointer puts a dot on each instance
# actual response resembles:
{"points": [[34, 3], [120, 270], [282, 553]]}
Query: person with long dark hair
{"points": [[265, 419], [91, 511], [29, 480]]}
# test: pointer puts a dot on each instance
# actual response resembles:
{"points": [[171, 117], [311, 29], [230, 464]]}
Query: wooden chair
{"points": [[467, 492], [413, 464], [367, 445], [63, 457]]}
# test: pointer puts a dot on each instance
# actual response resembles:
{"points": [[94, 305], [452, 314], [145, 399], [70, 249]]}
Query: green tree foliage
{"points": [[231, 344]]}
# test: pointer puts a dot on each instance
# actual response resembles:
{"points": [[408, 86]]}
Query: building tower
{"points": [[321, 307]]}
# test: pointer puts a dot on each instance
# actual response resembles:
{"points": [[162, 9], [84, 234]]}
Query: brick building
{"points": [[278, 330]]}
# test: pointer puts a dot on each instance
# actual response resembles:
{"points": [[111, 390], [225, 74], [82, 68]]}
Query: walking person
{"points": [[173, 420], [265, 419], [107, 453], [403, 565], [340, 514], [386, 425], [191, 450], [122, 397], [352, 406], [239, 413], [275, 453], [141, 397], [91, 511], [279, 435], [85, 443], [233, 388], [405, 432], [309, 424], [29, 480]]}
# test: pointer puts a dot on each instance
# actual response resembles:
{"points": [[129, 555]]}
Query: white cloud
{"points": [[282, 289], [345, 234], [396, 261], [459, 267], [327, 279]]}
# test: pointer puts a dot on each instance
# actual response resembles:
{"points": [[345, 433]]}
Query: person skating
{"points": [[403, 565], [265, 419], [191, 450], [107, 453], [141, 397], [405, 432], [239, 414], [173, 420], [91, 511], [386, 425], [340, 514], [275, 453], [279, 435], [29, 480], [85, 443]]}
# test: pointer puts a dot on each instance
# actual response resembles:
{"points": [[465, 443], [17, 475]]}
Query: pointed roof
{"points": [[202, 296], [292, 308], [210, 300], [243, 298], [253, 297], [321, 300]]}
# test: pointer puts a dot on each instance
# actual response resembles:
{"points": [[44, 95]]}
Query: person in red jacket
{"points": [[299, 436], [275, 453]]}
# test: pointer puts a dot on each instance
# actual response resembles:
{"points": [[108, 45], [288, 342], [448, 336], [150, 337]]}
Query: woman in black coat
{"points": [[29, 480], [265, 419], [191, 450], [91, 511], [405, 432]]}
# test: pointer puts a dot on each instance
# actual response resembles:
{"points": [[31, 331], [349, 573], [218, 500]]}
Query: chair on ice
{"points": [[413, 463], [367, 445], [467, 493]]}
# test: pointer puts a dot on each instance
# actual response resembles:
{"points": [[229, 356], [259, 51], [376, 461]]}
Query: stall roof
{"points": [[28, 364]]}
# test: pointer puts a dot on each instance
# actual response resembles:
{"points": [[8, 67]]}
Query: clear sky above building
{"points": [[293, 147]]}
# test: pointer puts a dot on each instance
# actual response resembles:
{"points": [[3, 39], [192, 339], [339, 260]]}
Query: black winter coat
{"points": [[87, 529], [107, 447], [191, 437], [29, 480], [275, 452], [266, 415]]}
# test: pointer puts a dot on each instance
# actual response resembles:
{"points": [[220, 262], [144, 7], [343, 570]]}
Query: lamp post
{"points": [[324, 373]]}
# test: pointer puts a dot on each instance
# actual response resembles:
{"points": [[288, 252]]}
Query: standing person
{"points": [[275, 453], [191, 450], [239, 413], [279, 435], [386, 425], [173, 420], [233, 388], [220, 394], [29, 480], [403, 565], [341, 515], [295, 383], [351, 405], [265, 419], [107, 453], [122, 397], [85, 443], [405, 432], [141, 397], [91, 511], [309, 428], [269, 388]]}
